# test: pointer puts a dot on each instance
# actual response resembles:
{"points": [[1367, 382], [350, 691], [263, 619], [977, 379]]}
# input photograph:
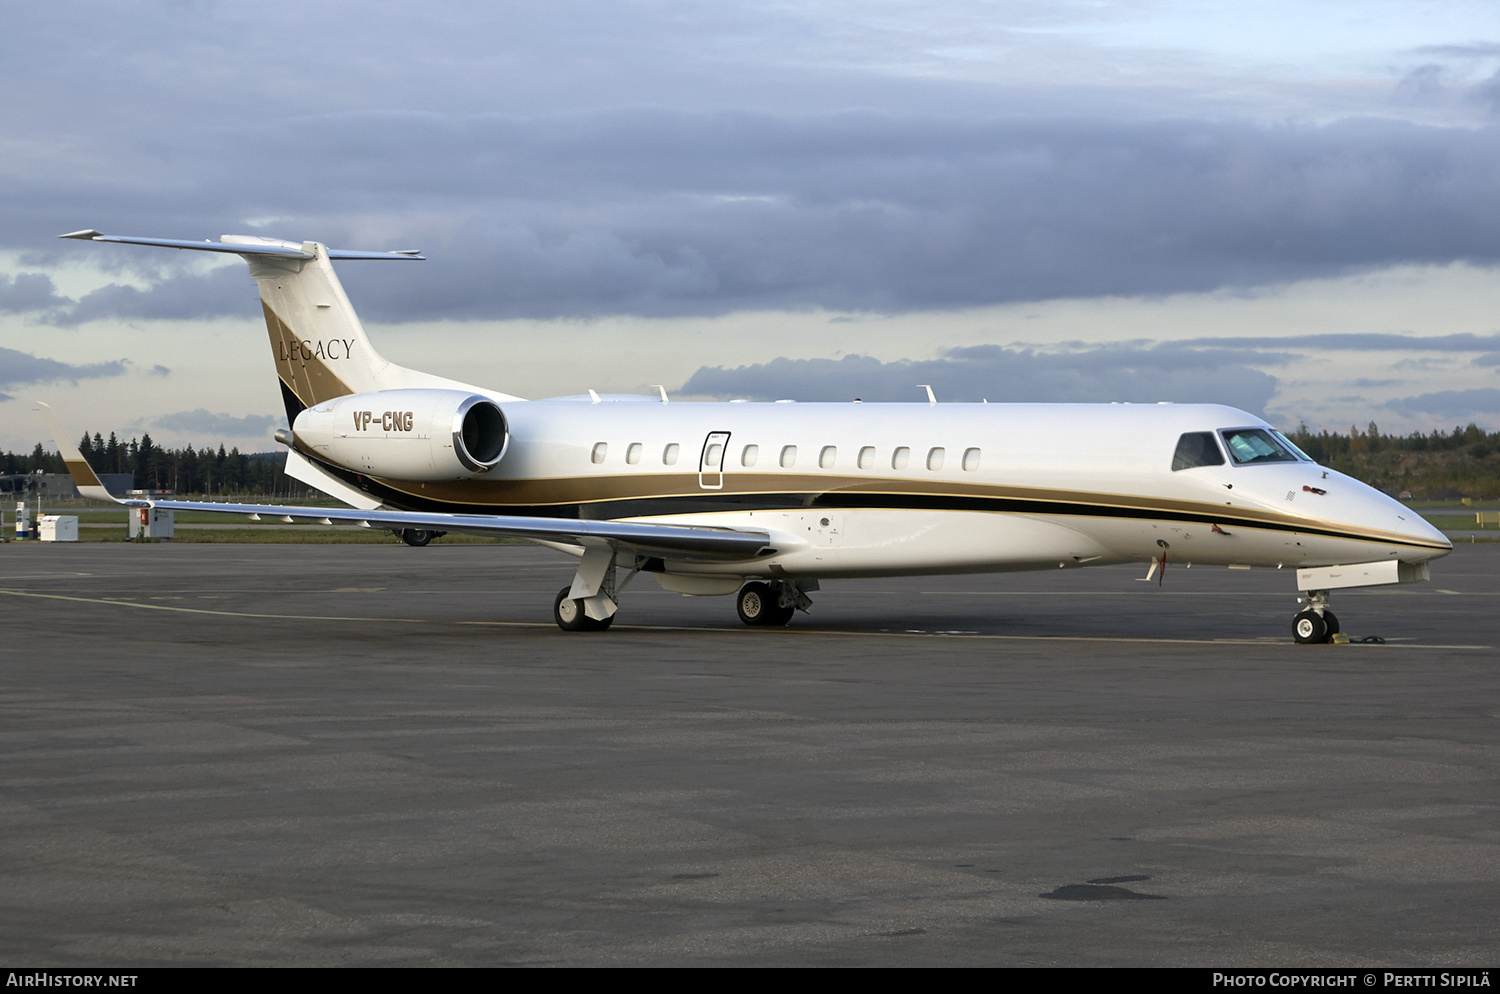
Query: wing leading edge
{"points": [[678, 541], [675, 540]]}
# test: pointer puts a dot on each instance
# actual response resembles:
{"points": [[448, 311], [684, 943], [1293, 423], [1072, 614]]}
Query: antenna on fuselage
{"points": [[931, 397], [663, 391]]}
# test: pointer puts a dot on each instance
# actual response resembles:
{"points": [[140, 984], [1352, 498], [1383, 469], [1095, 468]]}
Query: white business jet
{"points": [[763, 500]]}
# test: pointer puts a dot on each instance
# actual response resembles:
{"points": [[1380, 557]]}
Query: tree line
{"points": [[186, 470], [1466, 459]]}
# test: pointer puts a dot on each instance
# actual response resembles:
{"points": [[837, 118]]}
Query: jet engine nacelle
{"points": [[406, 434]]}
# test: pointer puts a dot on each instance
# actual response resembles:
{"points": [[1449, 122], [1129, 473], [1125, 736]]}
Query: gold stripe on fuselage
{"points": [[502, 495]]}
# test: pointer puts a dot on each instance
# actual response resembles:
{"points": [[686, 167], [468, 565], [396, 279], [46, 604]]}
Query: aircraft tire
{"points": [[1332, 621], [779, 616], [568, 613], [755, 603], [416, 537], [1309, 628]]}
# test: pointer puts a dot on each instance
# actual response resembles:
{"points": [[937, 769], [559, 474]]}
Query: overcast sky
{"points": [[1291, 207]]}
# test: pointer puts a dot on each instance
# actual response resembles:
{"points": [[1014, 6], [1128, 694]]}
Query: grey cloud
{"points": [[29, 292], [207, 423], [1360, 341], [160, 370], [581, 162], [1474, 50], [1425, 363], [659, 213], [220, 292], [1488, 359], [1449, 403], [1422, 84], [1488, 93], [19, 369], [1121, 373]]}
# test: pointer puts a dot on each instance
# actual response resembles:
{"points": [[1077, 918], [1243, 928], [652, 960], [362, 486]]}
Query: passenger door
{"points": [[711, 461]]}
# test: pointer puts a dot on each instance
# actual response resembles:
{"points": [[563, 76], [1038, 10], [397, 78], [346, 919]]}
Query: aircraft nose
{"points": [[1422, 531], [1359, 505]]}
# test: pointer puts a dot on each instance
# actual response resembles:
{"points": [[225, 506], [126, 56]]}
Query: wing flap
{"points": [[660, 539]]}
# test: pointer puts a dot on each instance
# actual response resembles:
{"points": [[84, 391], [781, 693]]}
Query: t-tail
{"points": [[319, 347]]}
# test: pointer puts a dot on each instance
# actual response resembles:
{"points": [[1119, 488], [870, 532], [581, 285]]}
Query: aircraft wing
{"points": [[678, 541]]}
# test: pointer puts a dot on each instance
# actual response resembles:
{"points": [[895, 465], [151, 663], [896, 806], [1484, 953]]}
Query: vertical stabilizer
{"points": [[319, 347], [317, 343]]}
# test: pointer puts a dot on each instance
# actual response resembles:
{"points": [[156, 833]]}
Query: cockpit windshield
{"points": [[1293, 446], [1257, 445]]}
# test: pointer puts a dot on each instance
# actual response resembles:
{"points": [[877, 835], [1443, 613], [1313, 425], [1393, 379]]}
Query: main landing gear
{"points": [[772, 603], [1315, 624], [569, 614], [758, 602], [418, 537], [758, 605]]}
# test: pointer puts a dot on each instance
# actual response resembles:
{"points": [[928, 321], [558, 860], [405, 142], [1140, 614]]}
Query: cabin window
{"points": [[1254, 445], [935, 458], [633, 454], [788, 456], [900, 457], [827, 456], [669, 454], [600, 450], [971, 460], [867, 457], [714, 457], [749, 455], [1196, 448]]}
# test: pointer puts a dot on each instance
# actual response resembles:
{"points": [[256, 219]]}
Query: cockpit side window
{"points": [[1197, 448], [1293, 446], [1255, 445]]}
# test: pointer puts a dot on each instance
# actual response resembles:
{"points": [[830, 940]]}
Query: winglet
{"points": [[84, 477]]}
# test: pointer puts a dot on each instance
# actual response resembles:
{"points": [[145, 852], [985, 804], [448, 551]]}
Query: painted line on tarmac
{"points": [[1107, 638], [1091, 593], [802, 631], [115, 602], [805, 632]]}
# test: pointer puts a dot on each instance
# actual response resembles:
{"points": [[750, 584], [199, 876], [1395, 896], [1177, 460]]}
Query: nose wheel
{"points": [[1316, 624]]}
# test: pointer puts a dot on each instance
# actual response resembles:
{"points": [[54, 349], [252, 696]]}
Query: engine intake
{"points": [[406, 434], [479, 434]]}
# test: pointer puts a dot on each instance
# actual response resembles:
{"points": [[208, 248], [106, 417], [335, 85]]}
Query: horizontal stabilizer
{"points": [[247, 245]]}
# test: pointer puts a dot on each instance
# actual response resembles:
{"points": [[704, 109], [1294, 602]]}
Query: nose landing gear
{"points": [[1315, 624]]}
